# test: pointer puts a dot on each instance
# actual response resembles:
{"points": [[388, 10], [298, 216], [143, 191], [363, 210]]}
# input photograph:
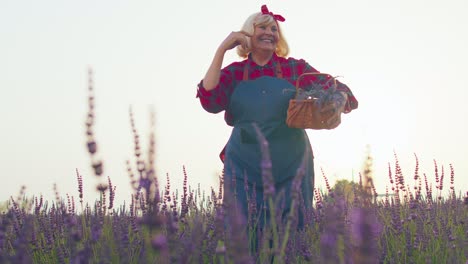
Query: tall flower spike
{"points": [[267, 174]]}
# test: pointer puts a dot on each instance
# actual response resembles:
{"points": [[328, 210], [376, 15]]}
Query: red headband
{"points": [[276, 17]]}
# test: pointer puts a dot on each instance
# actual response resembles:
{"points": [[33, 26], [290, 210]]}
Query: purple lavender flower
{"points": [[159, 242], [92, 146], [111, 193], [333, 231], [96, 232], [98, 168], [365, 229]]}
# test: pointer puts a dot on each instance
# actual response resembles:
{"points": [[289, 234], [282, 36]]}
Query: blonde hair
{"points": [[259, 19]]}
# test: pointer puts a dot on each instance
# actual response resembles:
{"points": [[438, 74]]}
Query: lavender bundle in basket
{"points": [[316, 91]]}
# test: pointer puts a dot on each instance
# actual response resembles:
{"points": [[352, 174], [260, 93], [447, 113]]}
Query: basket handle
{"points": [[313, 73]]}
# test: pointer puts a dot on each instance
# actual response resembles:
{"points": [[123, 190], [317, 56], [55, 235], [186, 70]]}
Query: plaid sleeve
{"points": [[326, 81], [217, 99], [351, 102]]}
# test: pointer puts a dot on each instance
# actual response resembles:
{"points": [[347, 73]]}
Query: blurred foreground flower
{"points": [[365, 230]]}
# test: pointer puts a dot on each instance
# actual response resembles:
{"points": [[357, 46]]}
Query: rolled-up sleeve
{"points": [[351, 102], [217, 99]]}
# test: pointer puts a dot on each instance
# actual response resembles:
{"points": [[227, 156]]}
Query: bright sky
{"points": [[404, 60]]}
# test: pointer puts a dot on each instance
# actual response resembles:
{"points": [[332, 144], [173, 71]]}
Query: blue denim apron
{"points": [[264, 101]]}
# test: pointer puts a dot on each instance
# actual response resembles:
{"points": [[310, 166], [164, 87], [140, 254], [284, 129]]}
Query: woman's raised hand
{"points": [[235, 39]]}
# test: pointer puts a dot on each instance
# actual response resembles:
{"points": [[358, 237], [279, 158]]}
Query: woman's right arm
{"points": [[212, 76], [211, 79]]}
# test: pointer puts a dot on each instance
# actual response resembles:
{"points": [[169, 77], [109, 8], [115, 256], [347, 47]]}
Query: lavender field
{"points": [[411, 226], [349, 223]]}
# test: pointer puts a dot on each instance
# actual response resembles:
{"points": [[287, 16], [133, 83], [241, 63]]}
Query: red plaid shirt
{"points": [[217, 100]]}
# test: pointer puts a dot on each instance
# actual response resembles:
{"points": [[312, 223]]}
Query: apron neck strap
{"points": [[278, 71]]}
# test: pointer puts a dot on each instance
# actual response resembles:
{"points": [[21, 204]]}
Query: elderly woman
{"points": [[257, 91]]}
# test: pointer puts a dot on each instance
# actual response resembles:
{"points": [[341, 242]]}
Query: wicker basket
{"points": [[303, 111]]}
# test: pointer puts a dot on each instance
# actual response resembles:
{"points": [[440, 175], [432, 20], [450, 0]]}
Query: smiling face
{"points": [[265, 37]]}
